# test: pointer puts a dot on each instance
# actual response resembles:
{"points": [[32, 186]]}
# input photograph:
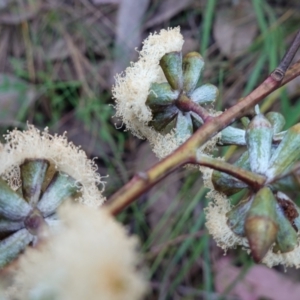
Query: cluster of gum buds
{"points": [[59, 243], [26, 212], [160, 97], [266, 217], [39, 172], [177, 103]]}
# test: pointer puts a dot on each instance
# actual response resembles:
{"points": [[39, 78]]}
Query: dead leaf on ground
{"points": [[235, 28], [166, 10], [106, 1], [128, 33], [20, 11], [58, 50], [259, 282], [4, 4]]}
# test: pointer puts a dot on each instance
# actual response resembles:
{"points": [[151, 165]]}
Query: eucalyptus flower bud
{"points": [[261, 223], [38, 173], [11, 246], [286, 154], [8, 225], [236, 216], [171, 64], [259, 136], [33, 174], [61, 187], [161, 100], [192, 65], [161, 96], [286, 239], [233, 136], [12, 206], [205, 94], [184, 127], [277, 120], [228, 184]]}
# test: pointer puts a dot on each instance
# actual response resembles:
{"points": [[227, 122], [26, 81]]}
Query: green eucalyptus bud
{"points": [[166, 120], [277, 120], [192, 67], [233, 136], [171, 64], [197, 120], [8, 225], [228, 184], [33, 174], [237, 215], [61, 187], [204, 94], [184, 126], [286, 239], [161, 96], [261, 223], [286, 153], [13, 245], [12, 205], [259, 136]]}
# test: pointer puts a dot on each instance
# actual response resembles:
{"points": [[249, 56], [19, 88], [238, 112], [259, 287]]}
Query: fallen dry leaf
{"points": [[129, 30], [235, 28], [259, 282], [20, 11], [166, 11], [106, 1], [58, 50]]}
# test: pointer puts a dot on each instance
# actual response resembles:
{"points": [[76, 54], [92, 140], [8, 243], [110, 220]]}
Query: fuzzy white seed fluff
{"points": [[64, 155], [132, 87], [92, 257]]}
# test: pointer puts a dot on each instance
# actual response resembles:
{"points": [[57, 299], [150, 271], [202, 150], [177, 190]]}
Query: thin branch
{"points": [[288, 57], [291, 73], [254, 180], [186, 104]]}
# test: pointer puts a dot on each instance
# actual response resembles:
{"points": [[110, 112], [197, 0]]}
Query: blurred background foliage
{"points": [[58, 59]]}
